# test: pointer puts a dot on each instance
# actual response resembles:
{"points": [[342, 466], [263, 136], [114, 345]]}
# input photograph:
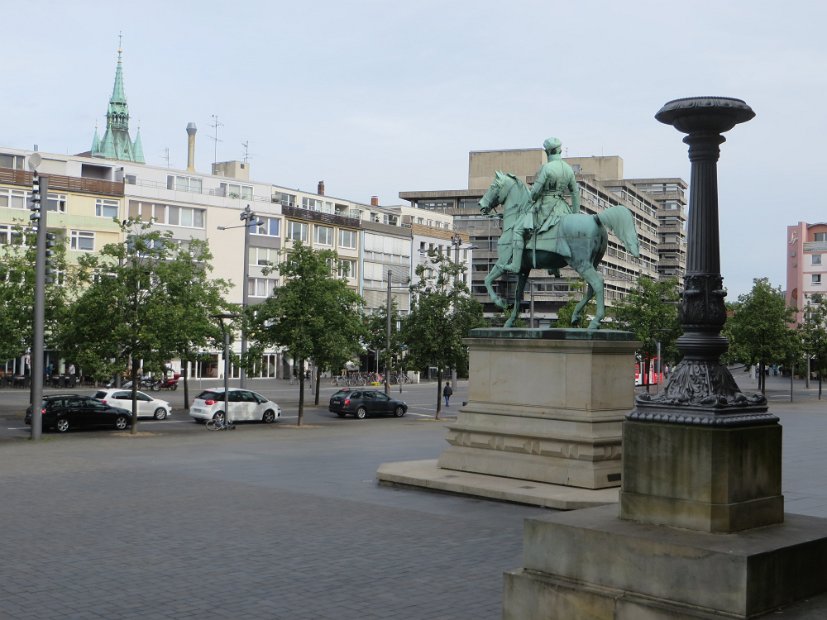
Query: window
{"points": [[347, 268], [106, 208], [56, 202], [184, 184], [82, 240], [260, 287], [234, 190], [11, 161], [816, 279], [314, 204], [347, 239], [263, 257], [13, 198], [297, 231], [271, 227], [286, 200], [820, 236], [167, 214], [816, 259], [323, 235]]}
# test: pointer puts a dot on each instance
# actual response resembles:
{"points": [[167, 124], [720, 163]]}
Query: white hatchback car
{"points": [[244, 405], [148, 407]]}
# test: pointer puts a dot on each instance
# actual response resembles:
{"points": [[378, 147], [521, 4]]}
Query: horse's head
{"points": [[495, 194]]}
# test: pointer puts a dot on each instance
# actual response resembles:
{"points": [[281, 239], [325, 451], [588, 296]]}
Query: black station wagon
{"points": [[363, 403]]}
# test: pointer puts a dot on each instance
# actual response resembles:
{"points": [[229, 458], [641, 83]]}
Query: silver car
{"points": [[245, 405]]}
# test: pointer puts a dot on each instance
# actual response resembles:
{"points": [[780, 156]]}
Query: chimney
{"points": [[374, 201], [191, 129], [320, 188]]}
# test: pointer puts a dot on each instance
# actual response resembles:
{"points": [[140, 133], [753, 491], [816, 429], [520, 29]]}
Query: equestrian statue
{"points": [[541, 230]]}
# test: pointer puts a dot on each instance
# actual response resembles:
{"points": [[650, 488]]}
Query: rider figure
{"points": [[555, 179]]}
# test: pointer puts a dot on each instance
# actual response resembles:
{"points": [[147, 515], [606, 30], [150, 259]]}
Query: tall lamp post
{"points": [[250, 220], [226, 316], [456, 241]]}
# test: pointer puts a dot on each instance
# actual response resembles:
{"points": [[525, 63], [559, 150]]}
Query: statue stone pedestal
{"points": [[544, 405]]}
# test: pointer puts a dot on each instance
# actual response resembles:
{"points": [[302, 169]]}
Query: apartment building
{"points": [[806, 265]]}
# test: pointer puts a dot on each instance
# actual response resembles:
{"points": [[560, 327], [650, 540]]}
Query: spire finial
{"points": [[120, 45]]}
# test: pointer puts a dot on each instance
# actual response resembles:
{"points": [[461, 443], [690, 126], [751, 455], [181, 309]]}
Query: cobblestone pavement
{"points": [[261, 522], [277, 522]]}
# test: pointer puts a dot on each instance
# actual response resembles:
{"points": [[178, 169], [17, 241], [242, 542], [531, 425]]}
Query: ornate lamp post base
{"points": [[701, 390]]}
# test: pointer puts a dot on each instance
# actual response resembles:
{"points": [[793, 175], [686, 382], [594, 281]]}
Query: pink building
{"points": [[806, 264]]}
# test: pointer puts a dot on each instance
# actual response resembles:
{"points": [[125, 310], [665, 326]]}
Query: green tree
{"points": [[567, 310], [129, 314], [17, 279], [442, 314], [759, 329], [190, 325], [813, 332], [313, 314], [650, 312], [376, 337]]}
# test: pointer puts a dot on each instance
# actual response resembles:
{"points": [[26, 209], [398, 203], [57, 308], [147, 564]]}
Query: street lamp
{"points": [[226, 316], [250, 219]]}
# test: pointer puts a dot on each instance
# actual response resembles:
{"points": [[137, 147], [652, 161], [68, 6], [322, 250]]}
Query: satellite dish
{"points": [[34, 161]]}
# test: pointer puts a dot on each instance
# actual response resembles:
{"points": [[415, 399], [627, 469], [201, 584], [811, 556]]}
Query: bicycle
{"points": [[219, 423]]}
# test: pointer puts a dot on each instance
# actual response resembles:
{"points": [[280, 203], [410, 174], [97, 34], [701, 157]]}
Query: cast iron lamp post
{"points": [[701, 390]]}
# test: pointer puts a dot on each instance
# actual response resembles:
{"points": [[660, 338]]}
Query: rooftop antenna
{"points": [[246, 146], [215, 125], [166, 156]]}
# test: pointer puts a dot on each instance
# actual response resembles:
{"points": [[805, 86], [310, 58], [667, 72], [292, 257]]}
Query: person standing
{"points": [[446, 393]]}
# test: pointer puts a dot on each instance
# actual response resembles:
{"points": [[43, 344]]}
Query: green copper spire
{"points": [[116, 143]]}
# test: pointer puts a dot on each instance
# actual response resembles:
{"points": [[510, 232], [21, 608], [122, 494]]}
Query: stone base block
{"points": [[591, 564], [545, 405], [703, 478]]}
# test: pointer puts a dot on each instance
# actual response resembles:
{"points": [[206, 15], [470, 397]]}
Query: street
{"points": [[275, 521], [421, 399]]}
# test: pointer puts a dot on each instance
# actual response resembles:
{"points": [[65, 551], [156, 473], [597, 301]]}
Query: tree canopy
{"points": [[313, 314], [442, 314], [650, 312]]}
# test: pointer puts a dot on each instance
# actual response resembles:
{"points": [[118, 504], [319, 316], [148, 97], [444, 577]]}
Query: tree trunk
{"points": [[315, 374], [763, 381], [134, 428], [185, 376], [819, 386], [438, 393], [300, 374], [792, 374]]}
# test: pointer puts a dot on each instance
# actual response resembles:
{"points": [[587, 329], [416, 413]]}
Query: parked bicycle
{"points": [[219, 423]]}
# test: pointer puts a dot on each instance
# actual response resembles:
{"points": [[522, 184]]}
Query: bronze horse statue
{"points": [[586, 235]]}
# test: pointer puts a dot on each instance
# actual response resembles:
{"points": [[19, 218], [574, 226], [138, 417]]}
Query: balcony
{"points": [[815, 246], [58, 182], [318, 216]]}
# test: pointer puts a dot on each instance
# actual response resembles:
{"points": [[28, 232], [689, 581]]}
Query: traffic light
{"points": [[35, 201], [50, 244]]}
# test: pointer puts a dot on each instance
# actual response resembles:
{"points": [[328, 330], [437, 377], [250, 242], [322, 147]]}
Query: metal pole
{"points": [[38, 328], [457, 241], [531, 304], [226, 373], [247, 216], [388, 340]]}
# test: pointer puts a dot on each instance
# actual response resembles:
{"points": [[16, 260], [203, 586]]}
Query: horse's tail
{"points": [[619, 220]]}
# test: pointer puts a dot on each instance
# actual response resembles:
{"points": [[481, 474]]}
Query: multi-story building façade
{"points": [[806, 265]]}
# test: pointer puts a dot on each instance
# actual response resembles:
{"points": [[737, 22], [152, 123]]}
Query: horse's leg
{"points": [[595, 282], [518, 297], [587, 295], [495, 273]]}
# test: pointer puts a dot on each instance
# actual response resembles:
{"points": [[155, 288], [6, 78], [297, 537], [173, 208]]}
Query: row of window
{"points": [[81, 240], [19, 199]]}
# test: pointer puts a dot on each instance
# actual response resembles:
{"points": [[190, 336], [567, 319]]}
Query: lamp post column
{"points": [[249, 219]]}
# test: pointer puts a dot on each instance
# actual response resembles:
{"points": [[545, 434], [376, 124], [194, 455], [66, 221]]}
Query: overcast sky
{"points": [[380, 96]]}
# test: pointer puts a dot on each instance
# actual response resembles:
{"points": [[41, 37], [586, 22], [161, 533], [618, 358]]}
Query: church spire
{"points": [[116, 143]]}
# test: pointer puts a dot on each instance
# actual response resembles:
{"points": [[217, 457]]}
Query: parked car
{"points": [[66, 411], [244, 405], [362, 403], [147, 406]]}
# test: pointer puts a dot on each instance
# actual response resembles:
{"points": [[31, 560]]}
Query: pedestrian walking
{"points": [[446, 393]]}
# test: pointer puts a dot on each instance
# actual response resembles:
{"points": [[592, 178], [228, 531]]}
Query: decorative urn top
{"points": [[704, 114]]}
